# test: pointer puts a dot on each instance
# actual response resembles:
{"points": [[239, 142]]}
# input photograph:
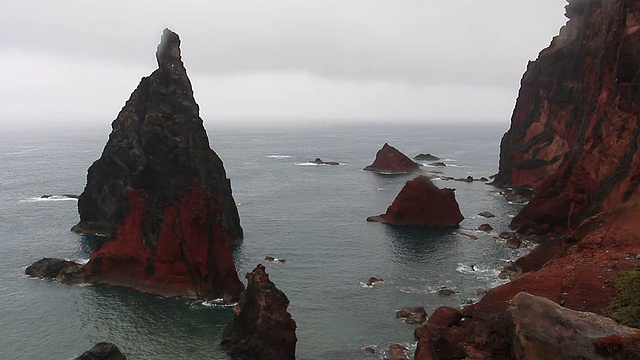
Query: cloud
{"points": [[401, 49]]}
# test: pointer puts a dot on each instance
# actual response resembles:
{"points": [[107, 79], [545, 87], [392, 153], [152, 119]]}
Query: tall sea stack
{"points": [[574, 131], [161, 194]]}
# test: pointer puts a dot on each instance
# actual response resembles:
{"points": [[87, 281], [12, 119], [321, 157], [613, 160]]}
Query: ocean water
{"points": [[311, 215]]}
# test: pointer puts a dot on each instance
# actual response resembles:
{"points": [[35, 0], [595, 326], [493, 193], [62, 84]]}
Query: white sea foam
{"points": [[380, 189], [50, 198], [279, 156], [216, 303], [309, 164]]}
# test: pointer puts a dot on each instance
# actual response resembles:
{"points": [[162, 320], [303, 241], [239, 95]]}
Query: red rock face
{"points": [[578, 276], [421, 203], [389, 159], [574, 131], [192, 256], [262, 328]]}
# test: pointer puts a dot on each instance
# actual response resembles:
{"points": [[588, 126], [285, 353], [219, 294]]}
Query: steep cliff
{"points": [[262, 328], [161, 194], [421, 203], [574, 131]]}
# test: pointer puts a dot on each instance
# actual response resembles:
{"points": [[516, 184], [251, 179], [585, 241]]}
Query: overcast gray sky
{"points": [[426, 60]]}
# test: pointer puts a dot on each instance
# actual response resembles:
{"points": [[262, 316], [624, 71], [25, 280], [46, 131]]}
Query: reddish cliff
{"points": [[421, 203], [161, 194], [390, 160], [579, 277], [574, 131], [262, 328]]}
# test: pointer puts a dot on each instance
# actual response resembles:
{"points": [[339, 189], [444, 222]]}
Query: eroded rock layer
{"points": [[421, 203], [161, 194], [574, 131], [262, 328]]}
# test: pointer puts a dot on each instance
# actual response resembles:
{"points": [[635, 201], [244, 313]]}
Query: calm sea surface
{"points": [[311, 215]]}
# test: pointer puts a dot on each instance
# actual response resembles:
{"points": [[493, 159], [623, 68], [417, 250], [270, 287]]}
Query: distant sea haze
{"points": [[313, 216]]}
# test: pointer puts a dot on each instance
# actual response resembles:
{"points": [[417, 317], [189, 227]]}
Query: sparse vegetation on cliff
{"points": [[625, 306]]}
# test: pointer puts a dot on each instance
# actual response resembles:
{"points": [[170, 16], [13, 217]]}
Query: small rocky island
{"points": [[391, 160], [161, 195], [421, 203]]}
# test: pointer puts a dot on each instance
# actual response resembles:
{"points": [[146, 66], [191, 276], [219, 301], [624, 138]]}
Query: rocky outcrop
{"points": [[102, 351], [543, 329], [426, 157], [531, 327], [162, 195], [574, 131], [262, 328], [421, 203], [56, 269], [319, 161], [391, 160], [575, 272], [412, 315]]}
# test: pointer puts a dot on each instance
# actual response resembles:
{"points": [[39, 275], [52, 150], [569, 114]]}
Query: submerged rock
{"points": [[390, 160], [321, 162], [56, 269], [373, 280], [412, 315], [274, 260], [162, 195], [426, 157], [262, 328], [396, 352], [421, 203], [486, 214], [102, 351]]}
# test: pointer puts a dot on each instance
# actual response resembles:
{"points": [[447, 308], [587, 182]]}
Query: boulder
{"points": [[56, 269], [396, 352], [426, 157], [373, 280], [485, 227], [102, 351], [486, 214], [421, 203], [274, 260], [262, 328], [514, 243], [412, 315], [161, 194], [445, 291], [543, 329], [390, 160]]}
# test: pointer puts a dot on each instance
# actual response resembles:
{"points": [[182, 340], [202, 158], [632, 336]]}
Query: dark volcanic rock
{"points": [[426, 157], [485, 227], [439, 163], [262, 328], [162, 194], [321, 162], [374, 280], [421, 203], [56, 269], [574, 131], [102, 351], [390, 160], [396, 352], [412, 315]]}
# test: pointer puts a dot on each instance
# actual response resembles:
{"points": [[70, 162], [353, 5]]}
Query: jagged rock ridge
{"points": [[262, 328]]}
